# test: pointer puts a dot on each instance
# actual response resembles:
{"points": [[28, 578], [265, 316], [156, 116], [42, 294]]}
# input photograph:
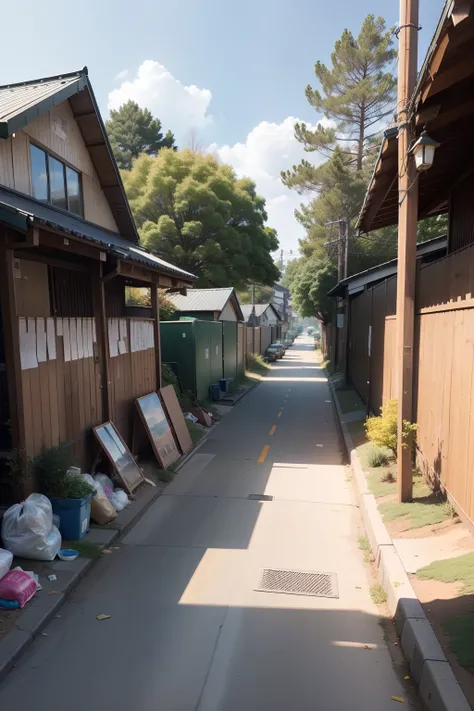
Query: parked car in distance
{"points": [[272, 353], [287, 342], [281, 348]]}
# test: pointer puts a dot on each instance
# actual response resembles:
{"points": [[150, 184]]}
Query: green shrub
{"points": [[169, 377], [382, 430], [51, 469], [377, 457], [256, 363]]}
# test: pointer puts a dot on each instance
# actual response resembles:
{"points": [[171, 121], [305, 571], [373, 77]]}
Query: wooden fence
{"points": [[443, 367]]}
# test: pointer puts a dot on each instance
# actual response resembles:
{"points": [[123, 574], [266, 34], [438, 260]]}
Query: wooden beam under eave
{"points": [[461, 11], [13, 361], [55, 239], [448, 78], [460, 111]]}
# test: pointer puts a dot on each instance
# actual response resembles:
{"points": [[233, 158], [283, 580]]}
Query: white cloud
{"points": [[268, 149], [121, 75], [179, 108]]}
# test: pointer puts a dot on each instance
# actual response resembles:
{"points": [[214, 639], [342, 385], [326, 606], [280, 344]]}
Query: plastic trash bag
{"points": [[17, 586], [102, 510], [104, 481], [6, 559], [28, 530], [119, 499], [189, 416]]}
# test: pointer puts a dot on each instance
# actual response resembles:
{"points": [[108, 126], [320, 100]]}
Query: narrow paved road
{"points": [[188, 629]]}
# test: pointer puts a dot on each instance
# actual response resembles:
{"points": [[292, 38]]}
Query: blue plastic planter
{"points": [[74, 516]]}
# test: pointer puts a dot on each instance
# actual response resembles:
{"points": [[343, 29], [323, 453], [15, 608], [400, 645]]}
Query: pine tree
{"points": [[133, 131], [358, 92]]}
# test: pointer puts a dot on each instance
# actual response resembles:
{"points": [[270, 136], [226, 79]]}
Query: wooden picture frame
{"points": [[160, 434], [119, 455], [176, 418]]}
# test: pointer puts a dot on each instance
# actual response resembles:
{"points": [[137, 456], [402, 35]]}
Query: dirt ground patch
{"points": [[441, 603]]}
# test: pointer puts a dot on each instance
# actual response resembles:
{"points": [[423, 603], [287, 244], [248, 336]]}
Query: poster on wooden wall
{"points": [[119, 455], [176, 417], [158, 429]]}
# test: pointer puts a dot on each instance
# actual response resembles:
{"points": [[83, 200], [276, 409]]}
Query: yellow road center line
{"points": [[272, 430], [263, 454]]}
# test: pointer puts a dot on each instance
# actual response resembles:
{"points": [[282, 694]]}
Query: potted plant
{"points": [[69, 493]]}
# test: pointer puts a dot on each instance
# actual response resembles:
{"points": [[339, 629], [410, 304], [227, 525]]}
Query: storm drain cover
{"points": [[260, 497], [298, 582]]}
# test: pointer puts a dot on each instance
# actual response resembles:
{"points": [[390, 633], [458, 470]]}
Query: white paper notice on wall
{"points": [[123, 340], [66, 341], [113, 329], [73, 338], [27, 336], [59, 326], [51, 338], [41, 341], [94, 332], [206, 353], [87, 337], [80, 340]]}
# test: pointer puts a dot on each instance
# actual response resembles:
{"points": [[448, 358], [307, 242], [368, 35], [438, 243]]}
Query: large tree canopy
{"points": [[194, 212], [133, 131], [309, 281]]}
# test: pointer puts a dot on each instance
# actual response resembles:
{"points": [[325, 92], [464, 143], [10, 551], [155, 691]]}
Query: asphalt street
{"points": [[190, 628]]}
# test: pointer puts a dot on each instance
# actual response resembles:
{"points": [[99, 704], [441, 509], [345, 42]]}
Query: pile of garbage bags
{"points": [[28, 530], [107, 500]]}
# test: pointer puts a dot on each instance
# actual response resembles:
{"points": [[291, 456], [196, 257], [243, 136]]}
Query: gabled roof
{"points": [[442, 103], [426, 251], [20, 104], [259, 310], [21, 211], [205, 300]]}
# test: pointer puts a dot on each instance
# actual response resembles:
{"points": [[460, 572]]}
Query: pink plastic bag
{"points": [[17, 585]]}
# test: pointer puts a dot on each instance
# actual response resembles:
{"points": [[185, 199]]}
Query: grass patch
{"points": [[256, 364], [378, 594], [165, 475], [349, 400], [378, 457], [378, 487], [418, 513], [461, 632], [196, 432], [453, 570], [85, 549], [364, 546]]}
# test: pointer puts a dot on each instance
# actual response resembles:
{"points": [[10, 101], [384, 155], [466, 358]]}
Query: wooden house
{"points": [[70, 357], [443, 353]]}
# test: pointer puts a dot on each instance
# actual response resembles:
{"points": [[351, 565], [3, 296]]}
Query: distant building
{"points": [[280, 300], [208, 304], [265, 315]]}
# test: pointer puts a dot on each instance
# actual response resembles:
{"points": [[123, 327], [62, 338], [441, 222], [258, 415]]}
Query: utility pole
{"points": [[407, 228], [346, 247], [340, 251]]}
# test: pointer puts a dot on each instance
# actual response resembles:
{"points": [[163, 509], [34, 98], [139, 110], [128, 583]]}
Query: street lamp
{"points": [[423, 152]]}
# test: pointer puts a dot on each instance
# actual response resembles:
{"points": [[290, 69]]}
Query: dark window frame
{"points": [[65, 164]]}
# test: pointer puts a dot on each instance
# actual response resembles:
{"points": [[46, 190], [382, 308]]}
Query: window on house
{"points": [[54, 182]]}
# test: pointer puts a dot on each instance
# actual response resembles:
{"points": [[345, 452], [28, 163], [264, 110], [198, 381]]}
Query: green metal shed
{"points": [[229, 347]]}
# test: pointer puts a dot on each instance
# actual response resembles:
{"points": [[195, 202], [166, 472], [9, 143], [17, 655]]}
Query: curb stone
{"points": [[437, 685]]}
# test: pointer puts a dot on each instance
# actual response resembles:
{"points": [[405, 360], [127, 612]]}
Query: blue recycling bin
{"points": [[74, 516]]}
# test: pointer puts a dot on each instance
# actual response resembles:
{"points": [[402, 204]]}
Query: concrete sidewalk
{"points": [[189, 629]]}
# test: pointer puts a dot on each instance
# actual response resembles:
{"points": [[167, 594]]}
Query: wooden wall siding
{"points": [[358, 342], [62, 398], [31, 289], [443, 367], [15, 169], [71, 293], [249, 339], [115, 297], [447, 281], [461, 215], [133, 373]]}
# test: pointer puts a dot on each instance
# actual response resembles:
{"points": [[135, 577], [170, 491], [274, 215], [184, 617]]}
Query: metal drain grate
{"points": [[298, 582], [260, 497]]}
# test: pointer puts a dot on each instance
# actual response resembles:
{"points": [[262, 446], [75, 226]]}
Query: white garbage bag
{"points": [[6, 559], [119, 499], [28, 530]]}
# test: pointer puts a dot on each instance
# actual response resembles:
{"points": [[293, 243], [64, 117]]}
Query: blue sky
{"points": [[233, 71]]}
